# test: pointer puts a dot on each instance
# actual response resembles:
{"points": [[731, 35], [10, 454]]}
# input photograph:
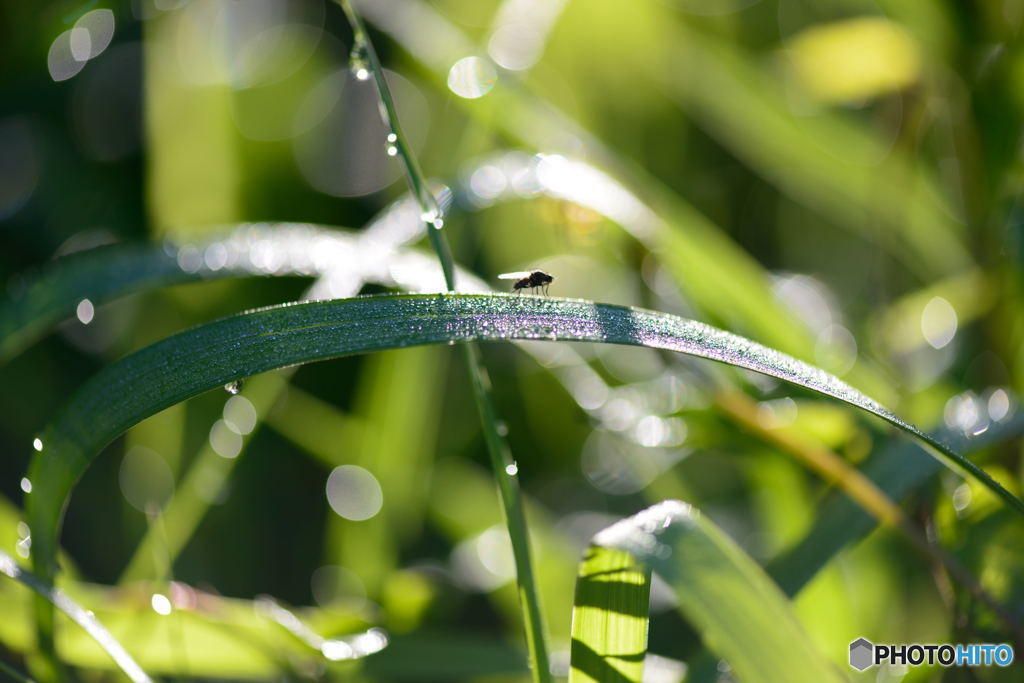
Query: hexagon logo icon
{"points": [[861, 651]]}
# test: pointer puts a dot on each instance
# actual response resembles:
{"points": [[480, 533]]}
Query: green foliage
{"points": [[739, 612], [836, 186], [609, 617]]}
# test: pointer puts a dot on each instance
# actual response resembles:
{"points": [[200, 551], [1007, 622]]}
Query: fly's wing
{"points": [[518, 275]]}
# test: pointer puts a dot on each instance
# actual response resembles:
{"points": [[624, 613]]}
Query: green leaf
{"points": [[205, 636], [77, 614], [232, 348], [732, 603], [98, 274], [236, 347], [609, 617]]}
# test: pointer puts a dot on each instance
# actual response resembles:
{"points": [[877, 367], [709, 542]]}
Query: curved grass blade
{"points": [[728, 598], [109, 272], [609, 617], [98, 274], [232, 348], [249, 343], [77, 614], [342, 260]]}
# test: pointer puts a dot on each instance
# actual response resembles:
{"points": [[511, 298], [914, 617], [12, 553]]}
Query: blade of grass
{"points": [[497, 448], [99, 274], [109, 272], [232, 348], [226, 638], [41, 300], [363, 50], [609, 618], [736, 608], [77, 614]]}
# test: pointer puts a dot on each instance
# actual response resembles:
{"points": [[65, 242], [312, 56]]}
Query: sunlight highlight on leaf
{"points": [[210, 355], [727, 597], [77, 614]]}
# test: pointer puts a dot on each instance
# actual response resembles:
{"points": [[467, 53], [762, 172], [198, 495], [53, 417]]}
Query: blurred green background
{"points": [[839, 180]]}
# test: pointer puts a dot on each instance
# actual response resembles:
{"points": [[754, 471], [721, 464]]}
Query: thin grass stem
{"points": [[504, 467], [364, 51]]}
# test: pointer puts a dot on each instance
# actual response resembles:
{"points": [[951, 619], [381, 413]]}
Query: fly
{"points": [[533, 279]]}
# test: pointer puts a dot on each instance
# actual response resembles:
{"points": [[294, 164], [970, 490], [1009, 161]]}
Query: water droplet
{"points": [[512, 469], [161, 605], [85, 311], [392, 150], [392, 137], [502, 427], [37, 444], [358, 59], [26, 485], [233, 387]]}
